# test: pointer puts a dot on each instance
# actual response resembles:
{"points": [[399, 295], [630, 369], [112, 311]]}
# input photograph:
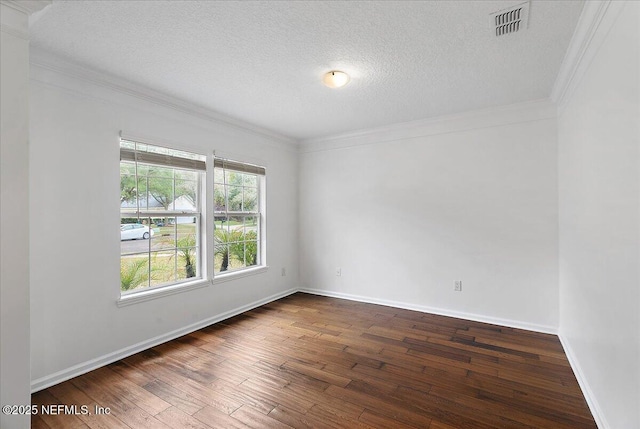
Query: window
{"points": [[161, 198], [238, 216]]}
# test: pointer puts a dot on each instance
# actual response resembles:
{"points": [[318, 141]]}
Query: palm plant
{"points": [[133, 274], [222, 240], [186, 248], [236, 244]]}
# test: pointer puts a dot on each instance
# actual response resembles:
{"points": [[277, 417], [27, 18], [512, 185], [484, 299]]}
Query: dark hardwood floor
{"points": [[313, 362]]}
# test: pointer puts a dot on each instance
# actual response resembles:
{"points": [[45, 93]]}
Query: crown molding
{"points": [[48, 61], [595, 21], [26, 6], [14, 19], [20, 34], [475, 119]]}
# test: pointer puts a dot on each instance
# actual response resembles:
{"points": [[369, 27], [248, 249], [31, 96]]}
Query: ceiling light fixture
{"points": [[335, 79]]}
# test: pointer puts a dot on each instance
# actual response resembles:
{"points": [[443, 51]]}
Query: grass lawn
{"points": [[183, 228], [219, 224], [163, 269]]}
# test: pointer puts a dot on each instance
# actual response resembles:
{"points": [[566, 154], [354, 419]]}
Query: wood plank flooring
{"points": [[306, 361]]}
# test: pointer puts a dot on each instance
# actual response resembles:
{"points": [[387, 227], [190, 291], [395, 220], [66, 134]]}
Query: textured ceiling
{"points": [[262, 62]]}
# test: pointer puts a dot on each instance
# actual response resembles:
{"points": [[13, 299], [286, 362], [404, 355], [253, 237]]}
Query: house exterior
{"points": [[183, 203]]}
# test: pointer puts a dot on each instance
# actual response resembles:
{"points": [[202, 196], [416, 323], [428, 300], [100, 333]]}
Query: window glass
{"points": [[160, 220], [238, 217]]}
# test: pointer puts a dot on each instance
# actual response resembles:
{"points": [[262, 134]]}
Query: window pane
{"points": [[134, 272], [160, 193], [219, 197], [221, 223], [221, 259], [236, 254], [159, 172], [250, 200], [218, 176], [251, 227], [127, 188], [127, 168], [164, 234], [187, 243], [186, 226], [134, 235], [251, 180], [251, 253], [186, 174], [233, 178], [167, 246], [236, 230], [143, 170], [236, 239], [234, 194], [141, 193], [185, 195], [187, 255], [163, 267]]}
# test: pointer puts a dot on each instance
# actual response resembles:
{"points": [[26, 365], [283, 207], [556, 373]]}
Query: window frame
{"points": [[198, 213], [259, 214], [206, 227]]}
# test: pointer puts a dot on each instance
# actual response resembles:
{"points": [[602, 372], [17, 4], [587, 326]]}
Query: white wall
{"points": [[14, 209], [599, 187], [74, 218], [405, 212], [402, 211]]}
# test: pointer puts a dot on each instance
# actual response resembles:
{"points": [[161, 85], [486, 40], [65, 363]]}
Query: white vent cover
{"points": [[511, 20]]}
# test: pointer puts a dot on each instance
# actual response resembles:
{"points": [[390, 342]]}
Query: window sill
{"points": [[221, 278], [148, 295]]}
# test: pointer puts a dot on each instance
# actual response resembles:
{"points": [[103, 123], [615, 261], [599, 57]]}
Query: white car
{"points": [[133, 231]]}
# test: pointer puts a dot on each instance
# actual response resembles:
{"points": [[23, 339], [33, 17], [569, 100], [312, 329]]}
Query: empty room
{"points": [[333, 214]]}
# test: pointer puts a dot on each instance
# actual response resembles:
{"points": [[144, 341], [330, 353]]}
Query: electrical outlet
{"points": [[283, 272], [457, 285], [338, 272]]}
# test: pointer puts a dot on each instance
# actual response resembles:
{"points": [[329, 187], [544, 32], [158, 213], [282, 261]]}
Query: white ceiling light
{"points": [[335, 79]]}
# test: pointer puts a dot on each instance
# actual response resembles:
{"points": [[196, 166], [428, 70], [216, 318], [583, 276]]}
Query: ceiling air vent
{"points": [[512, 19]]}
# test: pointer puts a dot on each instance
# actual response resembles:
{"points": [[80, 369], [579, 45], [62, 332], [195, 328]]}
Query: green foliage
{"points": [[222, 247], [236, 245], [186, 249], [159, 182], [127, 183], [233, 186], [125, 220], [133, 273], [251, 248]]}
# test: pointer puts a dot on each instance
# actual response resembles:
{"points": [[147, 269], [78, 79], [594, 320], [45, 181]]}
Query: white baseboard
{"points": [[90, 365], [595, 409], [440, 311], [84, 367], [575, 366]]}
